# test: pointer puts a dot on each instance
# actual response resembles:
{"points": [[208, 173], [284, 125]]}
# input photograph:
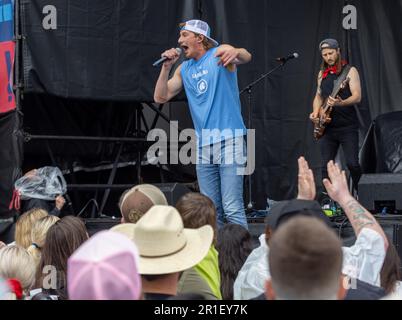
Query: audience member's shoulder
{"points": [[260, 297], [365, 291]]}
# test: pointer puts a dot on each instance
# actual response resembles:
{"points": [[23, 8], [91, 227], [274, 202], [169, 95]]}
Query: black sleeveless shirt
{"points": [[342, 117]]}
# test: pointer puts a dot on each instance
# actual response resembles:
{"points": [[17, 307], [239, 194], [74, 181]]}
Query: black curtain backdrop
{"points": [[103, 51]]}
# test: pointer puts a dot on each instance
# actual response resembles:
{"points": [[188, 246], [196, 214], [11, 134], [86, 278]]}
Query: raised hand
{"points": [[227, 55], [31, 173], [314, 117], [358, 216], [306, 183], [332, 102], [60, 201], [336, 186]]}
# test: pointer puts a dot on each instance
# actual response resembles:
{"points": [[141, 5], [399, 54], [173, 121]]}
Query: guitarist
{"points": [[343, 128]]}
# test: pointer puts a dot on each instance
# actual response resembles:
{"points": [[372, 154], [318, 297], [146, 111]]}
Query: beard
{"points": [[332, 62]]}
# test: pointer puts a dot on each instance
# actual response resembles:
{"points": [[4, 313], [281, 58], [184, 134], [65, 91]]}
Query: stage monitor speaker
{"points": [[173, 191], [95, 225], [381, 192]]}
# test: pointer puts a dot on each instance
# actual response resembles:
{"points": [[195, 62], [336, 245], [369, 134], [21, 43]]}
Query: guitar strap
{"points": [[344, 73]]}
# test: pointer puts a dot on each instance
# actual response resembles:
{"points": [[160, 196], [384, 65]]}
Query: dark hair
{"points": [[153, 277], [234, 246], [62, 239], [390, 272], [197, 211]]}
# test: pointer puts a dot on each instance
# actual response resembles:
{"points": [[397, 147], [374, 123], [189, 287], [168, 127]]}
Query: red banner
{"points": [[7, 99]]}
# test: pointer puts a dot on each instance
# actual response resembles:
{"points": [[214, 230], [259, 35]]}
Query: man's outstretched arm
{"points": [[231, 55]]}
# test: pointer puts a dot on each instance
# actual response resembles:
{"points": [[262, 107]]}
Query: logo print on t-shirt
{"points": [[202, 86]]}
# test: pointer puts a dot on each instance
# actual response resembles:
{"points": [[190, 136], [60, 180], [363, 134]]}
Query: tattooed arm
{"points": [[358, 216]]}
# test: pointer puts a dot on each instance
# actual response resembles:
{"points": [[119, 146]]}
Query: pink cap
{"points": [[104, 268]]}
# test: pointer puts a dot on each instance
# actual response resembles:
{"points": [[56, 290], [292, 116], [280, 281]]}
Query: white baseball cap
{"points": [[200, 27]]}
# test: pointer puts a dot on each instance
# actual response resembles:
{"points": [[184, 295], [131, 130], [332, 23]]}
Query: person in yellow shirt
{"points": [[198, 210]]}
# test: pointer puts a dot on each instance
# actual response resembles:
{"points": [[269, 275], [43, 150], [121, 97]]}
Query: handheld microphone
{"points": [[285, 59], [163, 59]]}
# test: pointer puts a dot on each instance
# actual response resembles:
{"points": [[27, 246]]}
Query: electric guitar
{"points": [[324, 117]]}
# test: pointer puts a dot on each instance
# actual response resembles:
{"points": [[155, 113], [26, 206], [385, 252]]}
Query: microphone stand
{"points": [[249, 90]]}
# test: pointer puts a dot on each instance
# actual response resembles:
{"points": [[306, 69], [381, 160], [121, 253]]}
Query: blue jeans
{"points": [[219, 179]]}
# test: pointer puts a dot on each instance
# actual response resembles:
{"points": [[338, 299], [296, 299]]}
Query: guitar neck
{"points": [[335, 91]]}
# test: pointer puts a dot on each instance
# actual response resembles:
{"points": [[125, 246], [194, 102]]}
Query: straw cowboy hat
{"points": [[164, 245]]}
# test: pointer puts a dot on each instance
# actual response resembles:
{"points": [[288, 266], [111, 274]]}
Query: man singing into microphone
{"points": [[343, 128], [209, 78]]}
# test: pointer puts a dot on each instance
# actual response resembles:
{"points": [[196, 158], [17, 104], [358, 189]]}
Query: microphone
{"points": [[286, 59], [163, 59]]}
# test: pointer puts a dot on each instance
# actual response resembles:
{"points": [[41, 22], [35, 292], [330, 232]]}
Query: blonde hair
{"points": [[38, 235], [206, 43], [16, 263], [24, 224]]}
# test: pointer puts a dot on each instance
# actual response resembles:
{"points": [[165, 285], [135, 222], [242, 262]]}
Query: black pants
{"points": [[348, 138]]}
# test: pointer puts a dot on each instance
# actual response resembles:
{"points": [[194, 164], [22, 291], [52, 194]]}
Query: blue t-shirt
{"points": [[213, 95]]}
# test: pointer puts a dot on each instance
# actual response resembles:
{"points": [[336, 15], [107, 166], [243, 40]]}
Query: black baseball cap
{"points": [[329, 44], [284, 210]]}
